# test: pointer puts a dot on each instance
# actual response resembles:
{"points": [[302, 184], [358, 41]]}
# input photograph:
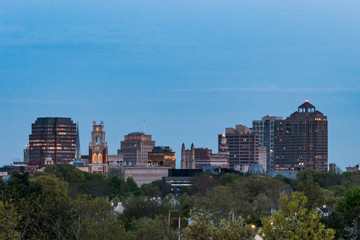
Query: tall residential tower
{"points": [[265, 129]]}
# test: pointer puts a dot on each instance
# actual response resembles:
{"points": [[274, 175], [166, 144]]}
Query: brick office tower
{"points": [[301, 140], [98, 150], [135, 149], [52, 137], [243, 147]]}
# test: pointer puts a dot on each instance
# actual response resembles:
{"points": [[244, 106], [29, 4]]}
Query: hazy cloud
{"points": [[271, 89]]}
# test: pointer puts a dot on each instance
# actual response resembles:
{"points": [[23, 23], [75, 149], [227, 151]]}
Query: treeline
{"points": [[63, 202]]}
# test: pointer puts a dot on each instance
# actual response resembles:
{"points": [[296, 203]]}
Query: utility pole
{"points": [[179, 228]]}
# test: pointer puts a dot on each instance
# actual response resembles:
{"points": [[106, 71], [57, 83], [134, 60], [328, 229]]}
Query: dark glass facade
{"points": [[54, 138], [301, 140]]}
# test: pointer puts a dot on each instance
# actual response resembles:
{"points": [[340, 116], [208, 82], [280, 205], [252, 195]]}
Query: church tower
{"points": [[224, 148], [188, 157], [98, 150]]}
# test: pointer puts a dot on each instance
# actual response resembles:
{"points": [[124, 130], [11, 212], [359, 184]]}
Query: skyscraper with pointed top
{"points": [[77, 161]]}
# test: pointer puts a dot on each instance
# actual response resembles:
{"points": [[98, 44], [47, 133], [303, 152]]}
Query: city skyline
{"points": [[190, 69], [178, 158]]}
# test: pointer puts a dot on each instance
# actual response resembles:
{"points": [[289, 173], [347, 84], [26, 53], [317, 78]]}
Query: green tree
{"points": [[50, 184], [9, 221], [139, 207], [218, 201], [349, 207], [336, 221], [229, 178], [234, 230], [201, 227], [203, 183], [153, 229], [132, 186], [294, 221], [118, 188], [93, 218], [151, 190], [314, 193]]}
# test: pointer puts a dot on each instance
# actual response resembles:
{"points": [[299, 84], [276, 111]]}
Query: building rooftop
{"points": [[53, 120], [158, 149], [136, 133], [306, 107]]}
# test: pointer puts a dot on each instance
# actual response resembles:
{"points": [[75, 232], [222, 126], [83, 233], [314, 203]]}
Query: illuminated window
{"points": [[99, 158], [94, 158]]}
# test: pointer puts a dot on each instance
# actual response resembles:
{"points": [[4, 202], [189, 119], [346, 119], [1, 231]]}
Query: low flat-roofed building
{"points": [[178, 178], [162, 156], [352, 169], [140, 174], [115, 160], [205, 158]]}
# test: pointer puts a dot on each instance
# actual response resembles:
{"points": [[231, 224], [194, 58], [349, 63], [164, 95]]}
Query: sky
{"points": [[189, 68]]}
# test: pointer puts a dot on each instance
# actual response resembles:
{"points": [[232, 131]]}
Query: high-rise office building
{"points": [[243, 147], [265, 129], [162, 157], [135, 149], [26, 153], [52, 137], [98, 150], [301, 140], [77, 161]]}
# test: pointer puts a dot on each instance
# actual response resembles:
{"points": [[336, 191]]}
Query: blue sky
{"points": [[190, 68]]}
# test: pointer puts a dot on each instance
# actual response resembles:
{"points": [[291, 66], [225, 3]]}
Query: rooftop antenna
{"points": [[144, 125]]}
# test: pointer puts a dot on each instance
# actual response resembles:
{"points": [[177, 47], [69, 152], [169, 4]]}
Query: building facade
{"points": [[301, 140], [77, 161], [262, 157], [204, 157], [243, 147], [162, 157], [265, 128], [188, 157], [135, 149], [98, 150], [53, 137]]}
